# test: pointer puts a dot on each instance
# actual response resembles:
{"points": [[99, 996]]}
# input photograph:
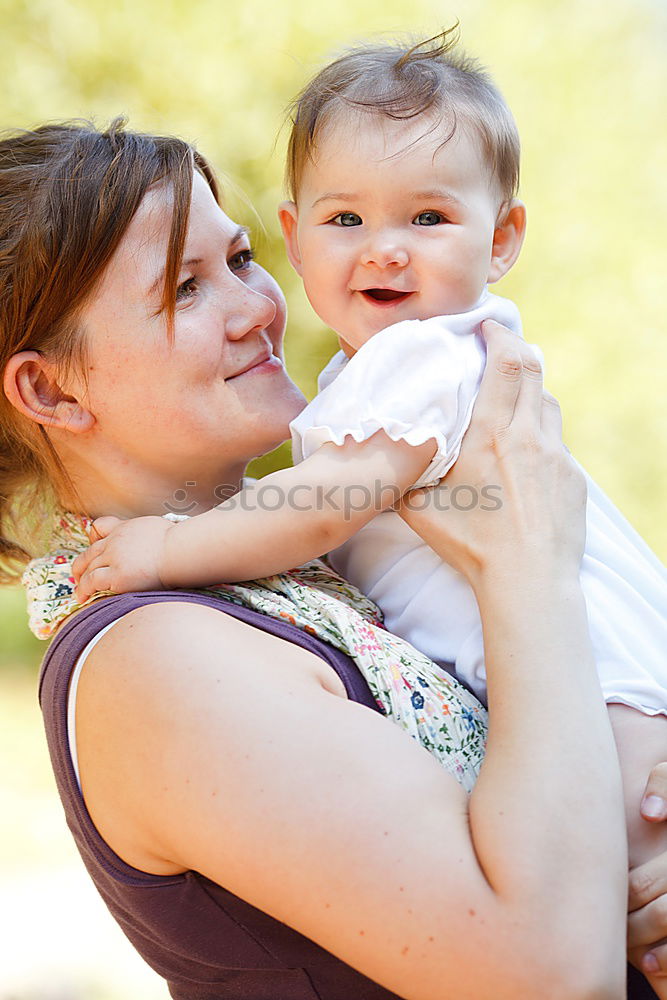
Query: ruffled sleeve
{"points": [[415, 380]]}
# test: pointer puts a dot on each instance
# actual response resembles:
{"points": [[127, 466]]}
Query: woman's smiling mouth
{"points": [[265, 363]]}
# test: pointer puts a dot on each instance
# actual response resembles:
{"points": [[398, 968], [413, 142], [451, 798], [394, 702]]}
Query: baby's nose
{"points": [[385, 250]]}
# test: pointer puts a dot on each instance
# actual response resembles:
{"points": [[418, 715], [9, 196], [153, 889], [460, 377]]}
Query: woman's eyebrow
{"points": [[241, 231], [159, 281], [239, 234]]}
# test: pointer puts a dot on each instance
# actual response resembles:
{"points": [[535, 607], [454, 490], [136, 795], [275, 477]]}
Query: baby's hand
{"points": [[126, 556]]}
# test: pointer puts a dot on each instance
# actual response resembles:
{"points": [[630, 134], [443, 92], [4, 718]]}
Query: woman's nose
{"points": [[252, 311], [385, 250]]}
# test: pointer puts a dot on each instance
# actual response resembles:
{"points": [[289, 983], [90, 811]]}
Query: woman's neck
{"points": [[124, 488]]}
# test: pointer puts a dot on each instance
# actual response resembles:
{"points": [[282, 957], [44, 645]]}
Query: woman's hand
{"points": [[514, 498], [647, 897], [124, 556]]}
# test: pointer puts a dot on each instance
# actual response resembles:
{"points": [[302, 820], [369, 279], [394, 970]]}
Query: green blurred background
{"points": [[587, 82]]}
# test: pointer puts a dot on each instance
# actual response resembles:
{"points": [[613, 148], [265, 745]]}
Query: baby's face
{"points": [[391, 224]]}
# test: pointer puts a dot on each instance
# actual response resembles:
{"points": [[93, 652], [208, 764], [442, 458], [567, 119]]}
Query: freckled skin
{"points": [[193, 413]]}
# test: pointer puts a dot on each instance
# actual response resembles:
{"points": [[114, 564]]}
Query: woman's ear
{"points": [[32, 387], [507, 238], [288, 214]]}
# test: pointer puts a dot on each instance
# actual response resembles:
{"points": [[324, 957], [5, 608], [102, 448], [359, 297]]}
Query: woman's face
{"points": [[202, 406]]}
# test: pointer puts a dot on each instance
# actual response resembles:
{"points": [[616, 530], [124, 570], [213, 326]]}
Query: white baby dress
{"points": [[418, 380]]}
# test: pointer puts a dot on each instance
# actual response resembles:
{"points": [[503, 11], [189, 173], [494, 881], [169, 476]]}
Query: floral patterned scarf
{"points": [[409, 688]]}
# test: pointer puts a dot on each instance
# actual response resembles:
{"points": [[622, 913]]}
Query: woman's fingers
{"points": [[653, 962], [647, 883], [647, 921], [511, 386], [528, 409], [501, 382], [647, 902], [551, 419], [519, 397], [654, 802], [647, 926]]}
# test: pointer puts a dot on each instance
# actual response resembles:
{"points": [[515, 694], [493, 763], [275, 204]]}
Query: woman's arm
{"points": [[206, 744], [524, 572], [281, 521]]}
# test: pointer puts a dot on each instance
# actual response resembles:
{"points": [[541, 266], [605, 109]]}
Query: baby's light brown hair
{"points": [[402, 81]]}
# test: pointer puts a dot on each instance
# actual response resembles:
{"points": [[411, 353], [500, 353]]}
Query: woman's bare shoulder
{"points": [[164, 671], [154, 649]]}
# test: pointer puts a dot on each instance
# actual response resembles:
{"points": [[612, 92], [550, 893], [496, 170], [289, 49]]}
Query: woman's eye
{"points": [[429, 218], [347, 219], [186, 289], [242, 260]]}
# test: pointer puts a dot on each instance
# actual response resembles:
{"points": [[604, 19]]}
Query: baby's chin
{"points": [[352, 341]]}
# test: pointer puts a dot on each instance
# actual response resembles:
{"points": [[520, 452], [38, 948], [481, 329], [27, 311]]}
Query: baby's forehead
{"points": [[427, 139], [345, 127]]}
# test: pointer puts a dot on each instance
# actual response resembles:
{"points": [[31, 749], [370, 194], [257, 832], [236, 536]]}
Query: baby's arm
{"points": [[279, 522]]}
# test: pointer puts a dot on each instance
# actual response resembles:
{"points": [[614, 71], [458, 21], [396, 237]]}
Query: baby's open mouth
{"points": [[384, 294]]}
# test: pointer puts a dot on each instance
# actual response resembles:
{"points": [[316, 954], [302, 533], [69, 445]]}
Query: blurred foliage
{"points": [[17, 646], [586, 79]]}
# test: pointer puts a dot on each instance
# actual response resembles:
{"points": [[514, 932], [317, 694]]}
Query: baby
{"points": [[403, 170]]}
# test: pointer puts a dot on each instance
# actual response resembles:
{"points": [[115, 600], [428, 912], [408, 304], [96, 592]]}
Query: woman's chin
{"points": [[274, 426], [290, 406]]}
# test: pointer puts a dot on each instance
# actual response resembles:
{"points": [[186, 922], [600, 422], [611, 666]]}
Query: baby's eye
{"points": [[347, 219], [429, 218], [186, 289], [242, 260]]}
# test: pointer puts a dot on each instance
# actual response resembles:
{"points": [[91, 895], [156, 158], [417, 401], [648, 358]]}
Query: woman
{"points": [[256, 828]]}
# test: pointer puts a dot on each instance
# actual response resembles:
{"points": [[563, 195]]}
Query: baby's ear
{"points": [[507, 238], [288, 214]]}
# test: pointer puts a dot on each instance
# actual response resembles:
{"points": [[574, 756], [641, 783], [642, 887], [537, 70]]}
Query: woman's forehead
{"points": [[151, 224], [143, 249]]}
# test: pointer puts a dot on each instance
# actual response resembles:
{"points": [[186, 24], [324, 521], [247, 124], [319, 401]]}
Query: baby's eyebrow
{"points": [[436, 195], [335, 196], [432, 195]]}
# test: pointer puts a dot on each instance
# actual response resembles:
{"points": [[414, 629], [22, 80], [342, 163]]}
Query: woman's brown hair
{"points": [[67, 195]]}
